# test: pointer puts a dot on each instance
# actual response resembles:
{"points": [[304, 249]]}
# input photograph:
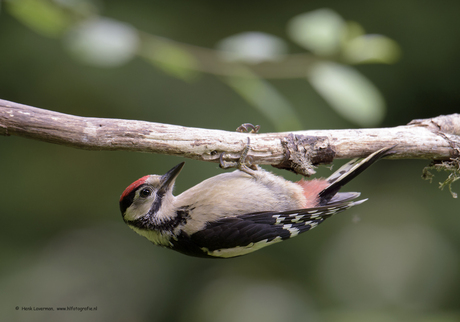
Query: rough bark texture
{"points": [[437, 138]]}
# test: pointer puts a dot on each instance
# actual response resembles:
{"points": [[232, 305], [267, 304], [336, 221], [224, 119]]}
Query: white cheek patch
{"points": [[139, 208]]}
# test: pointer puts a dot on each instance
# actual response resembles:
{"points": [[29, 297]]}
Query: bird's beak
{"points": [[168, 179]]}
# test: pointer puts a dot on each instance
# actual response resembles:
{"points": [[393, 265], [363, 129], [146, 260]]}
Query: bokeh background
{"points": [[361, 64]]}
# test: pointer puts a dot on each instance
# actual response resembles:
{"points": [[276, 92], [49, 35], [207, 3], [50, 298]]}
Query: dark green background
{"points": [[63, 242]]}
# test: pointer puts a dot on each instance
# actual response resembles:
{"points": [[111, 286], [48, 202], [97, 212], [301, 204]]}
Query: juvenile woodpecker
{"points": [[235, 213]]}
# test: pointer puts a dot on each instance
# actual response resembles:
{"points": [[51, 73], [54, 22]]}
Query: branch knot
{"points": [[302, 153]]}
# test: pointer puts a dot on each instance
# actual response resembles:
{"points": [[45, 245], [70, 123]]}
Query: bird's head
{"points": [[144, 198]]}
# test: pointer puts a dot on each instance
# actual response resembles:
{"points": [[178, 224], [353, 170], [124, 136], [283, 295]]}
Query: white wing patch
{"points": [[278, 218], [297, 218], [294, 231], [240, 250]]}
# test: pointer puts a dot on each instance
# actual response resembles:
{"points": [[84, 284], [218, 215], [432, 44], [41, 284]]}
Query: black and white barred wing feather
{"points": [[235, 236]]}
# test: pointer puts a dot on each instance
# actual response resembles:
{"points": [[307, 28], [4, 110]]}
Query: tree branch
{"points": [[437, 138]]}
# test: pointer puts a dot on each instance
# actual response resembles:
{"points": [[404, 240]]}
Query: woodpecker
{"points": [[235, 213]]}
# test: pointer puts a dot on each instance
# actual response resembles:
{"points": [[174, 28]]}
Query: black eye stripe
{"points": [[129, 199]]}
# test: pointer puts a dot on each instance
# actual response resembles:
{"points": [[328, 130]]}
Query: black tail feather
{"points": [[348, 172]]}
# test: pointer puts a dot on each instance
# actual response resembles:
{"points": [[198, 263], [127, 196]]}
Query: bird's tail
{"points": [[345, 174]]}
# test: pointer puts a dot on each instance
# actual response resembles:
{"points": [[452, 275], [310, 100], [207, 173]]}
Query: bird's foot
{"points": [[248, 127], [244, 162]]}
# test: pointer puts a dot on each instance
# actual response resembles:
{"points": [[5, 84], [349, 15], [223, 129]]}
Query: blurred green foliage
{"points": [[44, 17], [104, 42], [395, 258]]}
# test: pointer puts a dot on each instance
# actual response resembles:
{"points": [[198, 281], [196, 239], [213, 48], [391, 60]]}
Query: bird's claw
{"points": [[244, 163], [248, 127]]}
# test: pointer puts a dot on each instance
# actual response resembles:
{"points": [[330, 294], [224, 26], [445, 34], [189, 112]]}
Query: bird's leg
{"points": [[244, 163]]}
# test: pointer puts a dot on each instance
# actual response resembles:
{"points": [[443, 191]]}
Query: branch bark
{"points": [[437, 138]]}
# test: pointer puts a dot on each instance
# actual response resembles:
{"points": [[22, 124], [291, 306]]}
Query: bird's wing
{"points": [[263, 228]]}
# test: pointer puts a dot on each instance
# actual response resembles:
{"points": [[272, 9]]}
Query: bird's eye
{"points": [[145, 192]]}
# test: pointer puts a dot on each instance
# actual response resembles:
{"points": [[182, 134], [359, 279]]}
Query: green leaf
{"points": [[267, 100], [320, 31], [42, 16], [353, 30], [171, 58], [371, 49], [252, 47], [102, 42], [348, 92]]}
